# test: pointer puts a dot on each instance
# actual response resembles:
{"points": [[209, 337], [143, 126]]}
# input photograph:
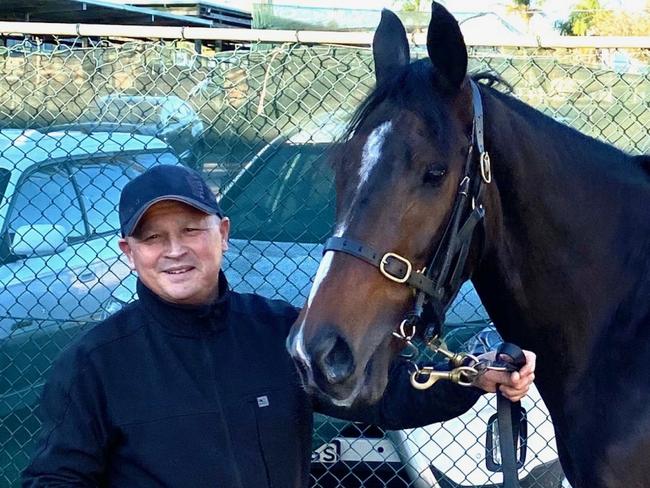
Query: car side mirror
{"points": [[38, 240]]}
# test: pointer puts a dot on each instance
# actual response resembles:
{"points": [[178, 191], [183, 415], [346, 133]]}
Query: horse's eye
{"points": [[434, 175]]}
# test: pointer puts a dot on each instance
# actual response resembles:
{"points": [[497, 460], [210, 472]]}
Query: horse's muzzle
{"points": [[333, 362], [326, 363]]}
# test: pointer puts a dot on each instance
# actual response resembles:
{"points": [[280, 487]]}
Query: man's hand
{"points": [[514, 386]]}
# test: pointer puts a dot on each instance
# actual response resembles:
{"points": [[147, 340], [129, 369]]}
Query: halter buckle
{"points": [[396, 279], [486, 169]]}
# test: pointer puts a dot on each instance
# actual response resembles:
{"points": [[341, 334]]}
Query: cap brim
{"points": [[135, 220]]}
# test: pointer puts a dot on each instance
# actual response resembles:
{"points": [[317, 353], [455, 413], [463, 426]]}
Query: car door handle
{"points": [[86, 276]]}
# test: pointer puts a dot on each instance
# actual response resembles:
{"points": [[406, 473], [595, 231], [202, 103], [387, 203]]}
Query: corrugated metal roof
{"points": [[105, 12]]}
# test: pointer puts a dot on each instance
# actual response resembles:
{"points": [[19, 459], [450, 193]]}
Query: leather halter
{"points": [[430, 283]]}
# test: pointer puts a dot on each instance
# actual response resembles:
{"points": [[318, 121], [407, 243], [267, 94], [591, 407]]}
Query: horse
{"points": [[558, 249]]}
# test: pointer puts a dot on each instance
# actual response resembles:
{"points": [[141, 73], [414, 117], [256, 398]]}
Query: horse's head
{"points": [[397, 178]]}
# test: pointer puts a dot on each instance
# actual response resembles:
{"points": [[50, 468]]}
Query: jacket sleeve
{"points": [[404, 407], [72, 444]]}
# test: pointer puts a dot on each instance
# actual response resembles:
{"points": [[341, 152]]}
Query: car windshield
{"points": [[287, 194], [101, 182]]}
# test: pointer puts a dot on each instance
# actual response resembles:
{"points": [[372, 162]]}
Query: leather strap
{"points": [[392, 265], [508, 435], [478, 118]]}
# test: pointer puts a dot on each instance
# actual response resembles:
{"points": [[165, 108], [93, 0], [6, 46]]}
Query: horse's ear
{"points": [[390, 47], [446, 47]]}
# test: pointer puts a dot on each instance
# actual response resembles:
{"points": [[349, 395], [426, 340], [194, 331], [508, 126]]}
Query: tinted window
{"points": [[4, 181], [286, 195], [100, 184], [47, 196]]}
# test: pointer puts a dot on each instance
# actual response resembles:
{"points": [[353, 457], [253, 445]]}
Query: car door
{"points": [[38, 302], [100, 182], [38, 285]]}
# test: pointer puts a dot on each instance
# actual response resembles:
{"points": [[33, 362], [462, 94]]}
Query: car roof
{"points": [[144, 99], [16, 144]]}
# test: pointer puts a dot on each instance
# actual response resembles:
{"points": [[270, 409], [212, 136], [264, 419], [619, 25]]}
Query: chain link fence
{"points": [[81, 117]]}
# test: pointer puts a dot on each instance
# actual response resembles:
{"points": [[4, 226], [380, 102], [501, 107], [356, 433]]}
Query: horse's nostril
{"points": [[337, 364]]}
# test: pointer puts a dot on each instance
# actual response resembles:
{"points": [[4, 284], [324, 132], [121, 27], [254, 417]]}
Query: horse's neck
{"points": [[561, 218]]}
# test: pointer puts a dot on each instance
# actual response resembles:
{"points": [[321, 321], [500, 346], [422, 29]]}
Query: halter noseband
{"points": [[430, 282]]}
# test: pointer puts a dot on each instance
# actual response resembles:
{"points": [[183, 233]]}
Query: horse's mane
{"points": [[399, 87], [409, 78], [407, 84]]}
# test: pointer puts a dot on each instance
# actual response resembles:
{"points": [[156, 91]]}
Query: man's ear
{"points": [[126, 249], [224, 230]]}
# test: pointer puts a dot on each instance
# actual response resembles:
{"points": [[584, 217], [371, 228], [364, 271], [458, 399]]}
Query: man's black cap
{"points": [[164, 182]]}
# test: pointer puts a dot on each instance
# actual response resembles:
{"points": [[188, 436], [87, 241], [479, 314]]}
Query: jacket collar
{"points": [[187, 320]]}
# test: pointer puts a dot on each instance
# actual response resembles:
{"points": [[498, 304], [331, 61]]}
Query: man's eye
{"points": [[151, 237], [192, 230]]}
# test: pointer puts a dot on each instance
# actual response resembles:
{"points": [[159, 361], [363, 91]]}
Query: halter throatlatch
{"points": [[445, 270]]}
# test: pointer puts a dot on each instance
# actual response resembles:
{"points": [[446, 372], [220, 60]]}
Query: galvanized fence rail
{"points": [[80, 116]]}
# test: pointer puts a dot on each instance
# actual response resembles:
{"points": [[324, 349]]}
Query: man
{"points": [[191, 385]]}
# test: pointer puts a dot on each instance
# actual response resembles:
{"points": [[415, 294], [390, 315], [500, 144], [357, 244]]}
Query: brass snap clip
{"points": [[426, 377]]}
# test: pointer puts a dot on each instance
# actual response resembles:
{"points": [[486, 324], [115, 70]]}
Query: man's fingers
{"points": [[513, 394], [531, 360], [513, 385]]}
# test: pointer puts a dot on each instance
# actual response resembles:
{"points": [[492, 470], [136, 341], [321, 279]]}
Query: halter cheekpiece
{"points": [[430, 283]]}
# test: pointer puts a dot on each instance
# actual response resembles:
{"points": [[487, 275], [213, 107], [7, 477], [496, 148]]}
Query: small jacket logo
{"points": [[263, 401]]}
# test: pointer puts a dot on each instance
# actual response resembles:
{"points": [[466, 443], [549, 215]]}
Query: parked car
{"points": [[167, 117], [59, 260], [281, 206]]}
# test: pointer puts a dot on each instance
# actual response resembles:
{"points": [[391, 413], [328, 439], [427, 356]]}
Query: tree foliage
{"points": [[525, 8], [407, 5], [590, 19]]}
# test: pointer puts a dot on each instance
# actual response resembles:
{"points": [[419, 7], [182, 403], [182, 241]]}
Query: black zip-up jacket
{"points": [[166, 395]]}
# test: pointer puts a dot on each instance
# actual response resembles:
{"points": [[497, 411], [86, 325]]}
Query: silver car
{"points": [[59, 261]]}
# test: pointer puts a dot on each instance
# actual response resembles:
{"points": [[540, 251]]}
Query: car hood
{"points": [[285, 270], [282, 270]]}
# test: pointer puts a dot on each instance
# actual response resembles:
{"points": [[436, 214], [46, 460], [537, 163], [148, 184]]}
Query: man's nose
{"points": [[174, 247]]}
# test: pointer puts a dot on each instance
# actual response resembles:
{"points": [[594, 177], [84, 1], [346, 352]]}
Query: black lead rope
{"points": [[508, 434]]}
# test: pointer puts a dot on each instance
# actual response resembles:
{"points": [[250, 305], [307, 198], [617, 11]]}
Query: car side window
{"points": [[47, 196], [100, 184], [150, 159], [288, 195], [4, 181]]}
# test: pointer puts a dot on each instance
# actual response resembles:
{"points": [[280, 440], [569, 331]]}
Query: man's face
{"points": [[177, 250]]}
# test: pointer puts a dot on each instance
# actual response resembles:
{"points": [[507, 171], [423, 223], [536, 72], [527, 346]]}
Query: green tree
{"points": [[525, 8], [407, 5], [588, 18], [581, 20]]}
